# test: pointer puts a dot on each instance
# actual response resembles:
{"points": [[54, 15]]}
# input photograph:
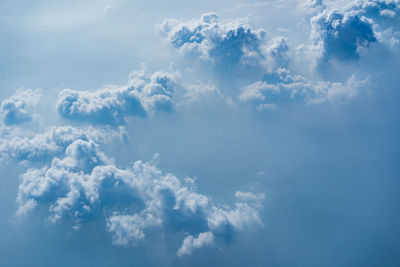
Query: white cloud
{"points": [[224, 45], [86, 184], [130, 228], [142, 95], [25, 146], [344, 31], [19, 107], [190, 243], [281, 87]]}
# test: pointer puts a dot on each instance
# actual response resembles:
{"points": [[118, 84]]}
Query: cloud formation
{"points": [[24, 146], [228, 44], [342, 35], [71, 180], [85, 185], [380, 11], [18, 108], [142, 95], [190, 243], [281, 87], [343, 32]]}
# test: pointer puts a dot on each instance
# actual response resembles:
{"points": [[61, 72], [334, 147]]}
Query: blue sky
{"points": [[220, 133]]}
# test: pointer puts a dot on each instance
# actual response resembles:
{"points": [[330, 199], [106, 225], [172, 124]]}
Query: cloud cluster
{"points": [[341, 33], [381, 11], [142, 95], [24, 146], [18, 108], [227, 44], [282, 87], [77, 182], [84, 184]]}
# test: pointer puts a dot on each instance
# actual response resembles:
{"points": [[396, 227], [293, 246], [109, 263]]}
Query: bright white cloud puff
{"points": [[85, 184], [225, 44], [142, 95], [18, 108]]}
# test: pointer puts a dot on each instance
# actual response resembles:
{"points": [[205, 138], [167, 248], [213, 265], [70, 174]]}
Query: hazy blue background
{"points": [[329, 172]]}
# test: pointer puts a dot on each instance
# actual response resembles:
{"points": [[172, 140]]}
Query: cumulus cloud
{"points": [[142, 95], [72, 180], [342, 35], [85, 184], [19, 107], [385, 17], [226, 44], [379, 10], [190, 243], [130, 228], [282, 87], [277, 53], [24, 146], [343, 32]]}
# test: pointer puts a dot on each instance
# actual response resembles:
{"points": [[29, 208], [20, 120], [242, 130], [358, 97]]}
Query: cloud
{"points": [[24, 146], [343, 32], [142, 95], [380, 11], [385, 17], [190, 243], [18, 108], [282, 87], [86, 185], [277, 53], [126, 228], [341, 35], [229, 44], [204, 93], [257, 199]]}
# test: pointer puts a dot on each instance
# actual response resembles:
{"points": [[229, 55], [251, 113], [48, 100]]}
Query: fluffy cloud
{"points": [[385, 17], [85, 184], [342, 32], [24, 146], [141, 96], [190, 243], [225, 44], [282, 87], [381, 11], [342, 35], [18, 108], [277, 53]]}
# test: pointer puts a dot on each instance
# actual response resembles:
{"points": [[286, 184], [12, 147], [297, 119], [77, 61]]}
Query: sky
{"points": [[218, 133]]}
